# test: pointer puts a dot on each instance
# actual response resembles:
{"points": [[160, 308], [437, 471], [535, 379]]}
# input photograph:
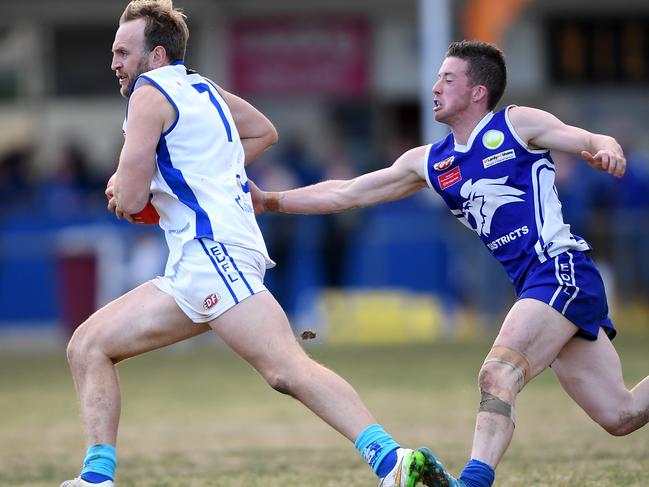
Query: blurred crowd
{"points": [[412, 244], [70, 184]]}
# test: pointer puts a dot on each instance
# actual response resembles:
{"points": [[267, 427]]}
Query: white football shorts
{"points": [[211, 277]]}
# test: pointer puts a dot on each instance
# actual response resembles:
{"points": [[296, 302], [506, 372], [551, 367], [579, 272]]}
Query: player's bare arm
{"points": [[256, 132], [403, 178], [149, 115], [543, 130]]}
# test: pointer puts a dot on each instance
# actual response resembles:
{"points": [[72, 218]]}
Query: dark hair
{"points": [[486, 67], [165, 25]]}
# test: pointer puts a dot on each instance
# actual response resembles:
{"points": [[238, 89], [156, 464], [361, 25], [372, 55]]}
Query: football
{"points": [[147, 216]]}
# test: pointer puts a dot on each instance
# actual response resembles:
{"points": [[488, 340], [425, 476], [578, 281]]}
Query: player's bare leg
{"points": [[591, 373], [142, 320], [531, 337], [536, 332], [258, 330]]}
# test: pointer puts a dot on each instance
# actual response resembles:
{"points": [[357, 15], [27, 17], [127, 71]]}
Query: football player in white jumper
{"points": [[187, 142]]}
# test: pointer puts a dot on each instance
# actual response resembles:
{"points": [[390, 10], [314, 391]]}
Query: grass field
{"points": [[199, 416]]}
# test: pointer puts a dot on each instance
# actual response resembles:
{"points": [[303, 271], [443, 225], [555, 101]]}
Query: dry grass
{"points": [[201, 417]]}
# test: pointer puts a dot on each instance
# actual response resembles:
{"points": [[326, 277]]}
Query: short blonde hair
{"points": [[165, 25]]}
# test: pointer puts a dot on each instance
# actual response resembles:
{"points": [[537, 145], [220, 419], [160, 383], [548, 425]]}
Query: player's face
{"points": [[130, 58], [452, 91]]}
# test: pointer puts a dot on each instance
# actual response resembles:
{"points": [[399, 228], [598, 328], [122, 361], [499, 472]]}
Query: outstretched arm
{"points": [[542, 129], [402, 179], [256, 132]]}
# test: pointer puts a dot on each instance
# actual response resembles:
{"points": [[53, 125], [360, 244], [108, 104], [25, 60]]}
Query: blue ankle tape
{"points": [[374, 444], [100, 459]]}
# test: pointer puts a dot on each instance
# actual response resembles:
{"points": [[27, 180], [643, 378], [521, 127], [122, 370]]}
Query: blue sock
{"points": [[99, 464], [378, 449], [387, 464], [95, 478], [478, 474]]}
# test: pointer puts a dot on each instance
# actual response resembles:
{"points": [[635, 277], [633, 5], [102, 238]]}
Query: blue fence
{"points": [[46, 277]]}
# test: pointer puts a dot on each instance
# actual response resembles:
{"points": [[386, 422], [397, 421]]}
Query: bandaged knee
{"points": [[493, 404], [514, 359]]}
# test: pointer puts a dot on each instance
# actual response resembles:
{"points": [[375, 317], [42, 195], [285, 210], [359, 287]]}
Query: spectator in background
{"points": [[279, 230], [323, 239], [73, 187], [624, 203], [15, 186], [339, 228], [577, 185], [606, 211]]}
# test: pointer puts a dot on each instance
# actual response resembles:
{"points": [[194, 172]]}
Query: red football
{"points": [[148, 215]]}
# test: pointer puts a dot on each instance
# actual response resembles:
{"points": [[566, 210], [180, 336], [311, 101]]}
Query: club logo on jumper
{"points": [[498, 158], [441, 165], [449, 178], [483, 198], [211, 301], [492, 139]]}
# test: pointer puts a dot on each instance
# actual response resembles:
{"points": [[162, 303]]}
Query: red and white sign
{"points": [[307, 56], [449, 178]]}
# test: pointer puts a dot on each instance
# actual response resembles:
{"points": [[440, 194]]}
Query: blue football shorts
{"points": [[572, 285], [211, 277]]}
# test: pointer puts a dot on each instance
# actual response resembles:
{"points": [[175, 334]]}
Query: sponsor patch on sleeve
{"points": [[498, 158], [449, 178]]}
